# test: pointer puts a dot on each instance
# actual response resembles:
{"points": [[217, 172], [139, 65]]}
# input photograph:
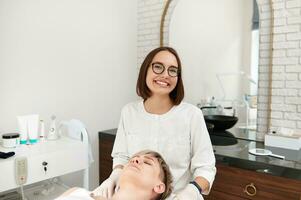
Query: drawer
{"points": [[253, 185], [59, 163], [217, 195]]}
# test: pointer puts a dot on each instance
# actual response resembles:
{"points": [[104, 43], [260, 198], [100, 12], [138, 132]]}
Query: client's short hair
{"points": [[165, 174]]}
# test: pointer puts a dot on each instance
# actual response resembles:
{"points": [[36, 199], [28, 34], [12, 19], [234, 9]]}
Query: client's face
{"points": [[142, 171]]}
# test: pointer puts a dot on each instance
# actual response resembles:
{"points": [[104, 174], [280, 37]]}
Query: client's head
{"points": [[148, 172]]}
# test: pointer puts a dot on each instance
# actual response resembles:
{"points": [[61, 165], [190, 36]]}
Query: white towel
{"points": [[77, 194], [77, 130]]}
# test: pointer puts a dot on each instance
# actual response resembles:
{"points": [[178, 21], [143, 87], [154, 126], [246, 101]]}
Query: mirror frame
{"points": [[262, 129]]}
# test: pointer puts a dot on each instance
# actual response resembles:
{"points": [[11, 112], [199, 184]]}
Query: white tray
{"points": [[286, 142]]}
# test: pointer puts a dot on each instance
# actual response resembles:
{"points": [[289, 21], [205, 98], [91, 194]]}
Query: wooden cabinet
{"points": [[234, 183], [230, 183], [106, 142]]}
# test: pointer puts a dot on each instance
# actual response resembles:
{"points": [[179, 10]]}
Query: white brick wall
{"points": [[286, 72], [288, 37], [149, 18]]}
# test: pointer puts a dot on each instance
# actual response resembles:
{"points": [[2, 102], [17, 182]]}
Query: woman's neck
{"points": [[158, 104], [129, 194]]}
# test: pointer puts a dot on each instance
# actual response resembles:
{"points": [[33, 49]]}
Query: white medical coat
{"points": [[180, 136]]}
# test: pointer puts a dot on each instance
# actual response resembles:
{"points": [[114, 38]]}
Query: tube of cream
{"points": [[22, 129], [33, 128]]}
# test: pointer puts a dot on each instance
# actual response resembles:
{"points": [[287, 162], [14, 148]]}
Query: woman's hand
{"points": [[98, 197], [107, 188]]}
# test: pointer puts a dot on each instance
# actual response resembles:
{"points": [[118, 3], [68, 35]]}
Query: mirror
{"points": [[218, 42]]}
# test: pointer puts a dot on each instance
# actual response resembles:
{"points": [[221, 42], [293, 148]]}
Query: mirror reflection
{"points": [[218, 41]]}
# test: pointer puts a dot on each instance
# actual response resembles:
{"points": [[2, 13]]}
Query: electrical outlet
{"points": [[21, 170]]}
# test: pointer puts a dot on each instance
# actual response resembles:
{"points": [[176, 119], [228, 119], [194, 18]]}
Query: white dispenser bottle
{"points": [[52, 134]]}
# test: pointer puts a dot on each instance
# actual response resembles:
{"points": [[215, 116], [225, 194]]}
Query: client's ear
{"points": [[160, 188]]}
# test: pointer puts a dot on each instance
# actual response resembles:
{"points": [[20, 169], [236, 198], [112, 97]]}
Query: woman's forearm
{"points": [[203, 183]]}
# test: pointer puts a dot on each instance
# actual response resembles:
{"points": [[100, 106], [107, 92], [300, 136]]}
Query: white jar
{"points": [[10, 140]]}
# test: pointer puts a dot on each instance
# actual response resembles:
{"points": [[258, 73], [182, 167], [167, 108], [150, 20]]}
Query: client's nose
{"points": [[136, 160]]}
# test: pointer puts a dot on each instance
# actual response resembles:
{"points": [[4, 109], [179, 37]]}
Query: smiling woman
{"points": [[164, 83], [160, 121], [144, 82]]}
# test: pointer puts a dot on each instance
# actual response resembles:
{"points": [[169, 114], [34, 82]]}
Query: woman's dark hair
{"points": [[143, 91]]}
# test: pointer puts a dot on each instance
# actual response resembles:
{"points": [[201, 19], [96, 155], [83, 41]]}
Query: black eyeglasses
{"points": [[159, 68]]}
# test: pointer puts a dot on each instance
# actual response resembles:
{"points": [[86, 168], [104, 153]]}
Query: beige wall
{"points": [[213, 41], [70, 58]]}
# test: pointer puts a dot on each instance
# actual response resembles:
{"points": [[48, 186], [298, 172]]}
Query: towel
{"points": [[76, 194], [77, 130]]}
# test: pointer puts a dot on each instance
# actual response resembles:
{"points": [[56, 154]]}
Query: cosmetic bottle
{"points": [[22, 122], [42, 130], [52, 134], [33, 128]]}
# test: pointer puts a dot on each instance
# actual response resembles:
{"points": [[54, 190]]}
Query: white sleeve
{"points": [[189, 192], [203, 159], [120, 151]]}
